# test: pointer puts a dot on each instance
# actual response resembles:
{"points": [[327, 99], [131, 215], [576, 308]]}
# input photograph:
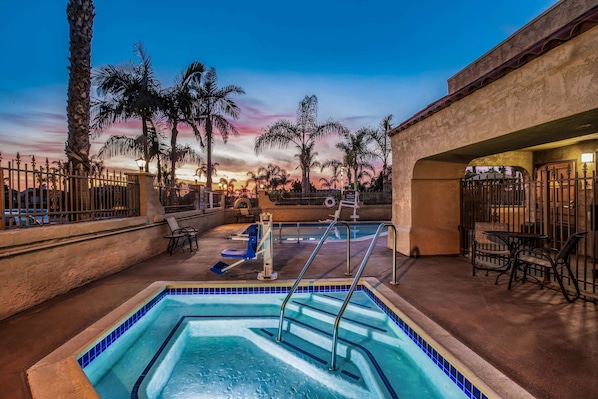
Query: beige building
{"points": [[530, 103]]}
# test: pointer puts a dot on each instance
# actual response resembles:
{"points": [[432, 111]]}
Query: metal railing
{"points": [[353, 285], [557, 203], [318, 197], [55, 194]]}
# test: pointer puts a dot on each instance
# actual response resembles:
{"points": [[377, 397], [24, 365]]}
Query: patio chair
{"points": [[488, 247], [245, 215], [551, 258], [188, 234]]}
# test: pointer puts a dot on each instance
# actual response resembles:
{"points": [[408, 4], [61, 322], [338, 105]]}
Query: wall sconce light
{"points": [[587, 157], [141, 163]]}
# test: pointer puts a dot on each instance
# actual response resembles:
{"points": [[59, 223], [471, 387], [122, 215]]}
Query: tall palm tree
{"points": [[302, 135], [215, 105], [178, 106], [80, 14], [307, 158], [356, 153], [382, 146], [126, 92]]}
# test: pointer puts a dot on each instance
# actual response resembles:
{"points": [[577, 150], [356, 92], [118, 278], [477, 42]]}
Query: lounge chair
{"points": [[551, 258], [188, 234], [245, 216]]}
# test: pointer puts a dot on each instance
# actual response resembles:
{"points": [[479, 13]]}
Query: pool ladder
{"points": [[355, 280]]}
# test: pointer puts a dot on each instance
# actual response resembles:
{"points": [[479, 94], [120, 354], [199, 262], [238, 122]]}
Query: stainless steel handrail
{"points": [[356, 279], [307, 264]]}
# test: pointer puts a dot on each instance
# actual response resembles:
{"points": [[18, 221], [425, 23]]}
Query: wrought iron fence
{"points": [[555, 204], [320, 196], [55, 194], [187, 197]]}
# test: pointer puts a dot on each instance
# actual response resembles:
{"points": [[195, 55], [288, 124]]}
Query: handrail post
{"points": [[394, 255], [350, 293], [301, 274]]}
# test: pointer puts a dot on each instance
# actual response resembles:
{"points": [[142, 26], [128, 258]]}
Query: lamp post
{"points": [[141, 164]]}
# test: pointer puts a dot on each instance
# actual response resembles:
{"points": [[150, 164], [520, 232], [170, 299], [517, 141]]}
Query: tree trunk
{"points": [[80, 14], [209, 151]]}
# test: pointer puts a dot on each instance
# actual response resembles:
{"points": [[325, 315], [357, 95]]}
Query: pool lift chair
{"points": [[261, 231], [350, 201]]}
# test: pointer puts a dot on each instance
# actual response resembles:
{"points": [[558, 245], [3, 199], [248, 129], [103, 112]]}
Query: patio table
{"points": [[515, 240]]}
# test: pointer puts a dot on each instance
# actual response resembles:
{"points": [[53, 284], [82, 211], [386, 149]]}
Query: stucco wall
{"points": [[558, 15], [37, 264], [560, 84]]}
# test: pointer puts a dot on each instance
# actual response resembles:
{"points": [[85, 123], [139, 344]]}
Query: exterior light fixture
{"points": [[196, 178], [141, 163], [587, 157]]}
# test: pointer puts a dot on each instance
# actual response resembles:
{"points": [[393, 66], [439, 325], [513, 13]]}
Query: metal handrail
{"points": [[360, 271], [307, 264], [356, 279]]}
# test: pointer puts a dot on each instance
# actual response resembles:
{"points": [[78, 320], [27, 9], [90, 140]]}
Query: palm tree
{"points": [[127, 91], [356, 153], [336, 166], [118, 145], [255, 178], [215, 104], [308, 159], [382, 146], [269, 174], [80, 14], [302, 135], [178, 106], [328, 182]]}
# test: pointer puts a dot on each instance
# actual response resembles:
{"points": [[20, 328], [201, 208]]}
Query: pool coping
{"points": [[60, 375]]}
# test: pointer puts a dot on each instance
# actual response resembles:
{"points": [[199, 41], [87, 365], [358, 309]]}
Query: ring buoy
{"points": [[242, 201], [330, 202]]}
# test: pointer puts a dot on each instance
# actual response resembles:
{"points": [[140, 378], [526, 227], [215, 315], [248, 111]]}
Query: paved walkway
{"points": [[544, 344]]}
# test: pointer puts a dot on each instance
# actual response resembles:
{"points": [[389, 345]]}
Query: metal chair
{"points": [[551, 258], [189, 235], [484, 246], [245, 215]]}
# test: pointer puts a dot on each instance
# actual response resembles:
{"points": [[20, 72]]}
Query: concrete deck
{"points": [[534, 336]]}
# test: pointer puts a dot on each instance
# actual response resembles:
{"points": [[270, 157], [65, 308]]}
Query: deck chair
{"points": [[245, 216], [551, 258], [189, 233], [489, 248]]}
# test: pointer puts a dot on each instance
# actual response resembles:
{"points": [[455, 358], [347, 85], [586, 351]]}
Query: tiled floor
{"points": [[534, 336]]}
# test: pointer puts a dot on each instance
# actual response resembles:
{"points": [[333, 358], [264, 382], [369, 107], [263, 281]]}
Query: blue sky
{"points": [[362, 59]]}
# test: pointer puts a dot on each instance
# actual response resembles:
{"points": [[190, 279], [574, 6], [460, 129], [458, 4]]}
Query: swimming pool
{"points": [[178, 339], [313, 231]]}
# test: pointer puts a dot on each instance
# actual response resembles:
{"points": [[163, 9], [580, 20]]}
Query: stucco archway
{"points": [[550, 98]]}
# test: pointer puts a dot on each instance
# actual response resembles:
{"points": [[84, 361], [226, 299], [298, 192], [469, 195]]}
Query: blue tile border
{"points": [[462, 382]]}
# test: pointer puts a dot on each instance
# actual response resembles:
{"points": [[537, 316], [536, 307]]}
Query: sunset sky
{"points": [[362, 59]]}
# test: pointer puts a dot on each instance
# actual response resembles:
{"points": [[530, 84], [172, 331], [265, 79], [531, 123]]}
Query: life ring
{"points": [[240, 201], [330, 202]]}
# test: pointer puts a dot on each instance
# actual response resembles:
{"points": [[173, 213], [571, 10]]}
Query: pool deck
{"points": [[533, 336]]}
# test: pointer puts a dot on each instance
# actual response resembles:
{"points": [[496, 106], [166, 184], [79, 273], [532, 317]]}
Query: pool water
{"points": [[224, 346], [313, 232]]}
